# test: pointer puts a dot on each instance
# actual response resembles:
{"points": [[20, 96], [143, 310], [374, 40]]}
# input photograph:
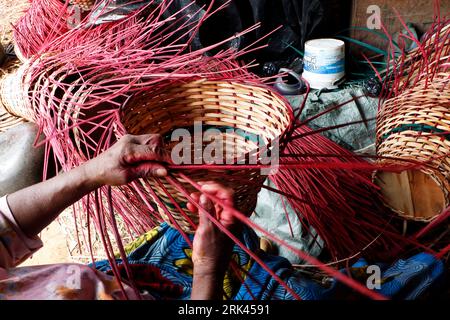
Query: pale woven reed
{"points": [[14, 94], [219, 104], [437, 48], [21, 96], [8, 120], [76, 233], [19, 53], [2, 55], [85, 5], [415, 125]]}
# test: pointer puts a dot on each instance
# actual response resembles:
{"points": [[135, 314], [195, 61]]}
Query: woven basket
{"points": [[414, 125], [7, 120], [2, 55], [248, 109], [19, 54], [13, 94], [85, 5], [17, 92], [437, 47]]}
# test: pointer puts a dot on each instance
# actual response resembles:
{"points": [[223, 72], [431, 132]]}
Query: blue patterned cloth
{"points": [[408, 279], [164, 249]]}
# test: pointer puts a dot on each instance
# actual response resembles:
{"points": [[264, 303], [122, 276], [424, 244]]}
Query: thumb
{"points": [[206, 204], [145, 170], [139, 153]]}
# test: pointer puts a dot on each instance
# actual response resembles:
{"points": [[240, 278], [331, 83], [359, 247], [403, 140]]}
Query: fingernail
{"points": [[161, 172], [203, 199]]}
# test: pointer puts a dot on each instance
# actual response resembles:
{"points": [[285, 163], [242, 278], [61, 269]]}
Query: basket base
{"points": [[413, 194]]}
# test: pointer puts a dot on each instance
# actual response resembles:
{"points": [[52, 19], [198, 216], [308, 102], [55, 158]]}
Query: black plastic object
{"points": [[290, 83], [114, 10], [300, 20], [373, 87]]}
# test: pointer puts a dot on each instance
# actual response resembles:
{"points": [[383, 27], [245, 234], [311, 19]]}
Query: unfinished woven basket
{"points": [[17, 94], [415, 125], [247, 109], [437, 47]]}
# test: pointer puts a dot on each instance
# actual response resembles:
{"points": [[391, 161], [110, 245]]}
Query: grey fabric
{"points": [[21, 164], [270, 213], [353, 137]]}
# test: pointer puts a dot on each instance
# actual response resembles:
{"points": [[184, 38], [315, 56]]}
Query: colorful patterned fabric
{"points": [[165, 251], [406, 279], [162, 268], [68, 281]]}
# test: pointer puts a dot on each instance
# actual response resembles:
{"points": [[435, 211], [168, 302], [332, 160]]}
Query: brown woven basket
{"points": [[19, 53], [437, 55], [7, 120], [14, 94], [25, 98], [415, 125], [85, 5], [2, 55], [254, 110]]}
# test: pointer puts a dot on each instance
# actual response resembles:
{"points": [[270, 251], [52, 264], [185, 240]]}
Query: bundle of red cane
{"points": [[94, 130], [44, 21]]}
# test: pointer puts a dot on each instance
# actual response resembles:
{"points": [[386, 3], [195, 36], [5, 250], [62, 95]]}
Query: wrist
{"points": [[207, 286], [209, 271], [91, 177]]}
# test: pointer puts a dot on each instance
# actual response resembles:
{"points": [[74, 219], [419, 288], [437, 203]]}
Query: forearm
{"points": [[207, 286], [37, 206], [130, 158]]}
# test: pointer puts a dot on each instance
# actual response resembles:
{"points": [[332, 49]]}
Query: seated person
{"points": [[162, 263], [27, 212]]}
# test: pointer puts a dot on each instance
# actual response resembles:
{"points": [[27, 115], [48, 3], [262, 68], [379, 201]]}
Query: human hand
{"points": [[211, 247], [130, 158]]}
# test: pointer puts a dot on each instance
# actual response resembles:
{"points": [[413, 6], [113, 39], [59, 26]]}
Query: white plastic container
{"points": [[324, 63]]}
